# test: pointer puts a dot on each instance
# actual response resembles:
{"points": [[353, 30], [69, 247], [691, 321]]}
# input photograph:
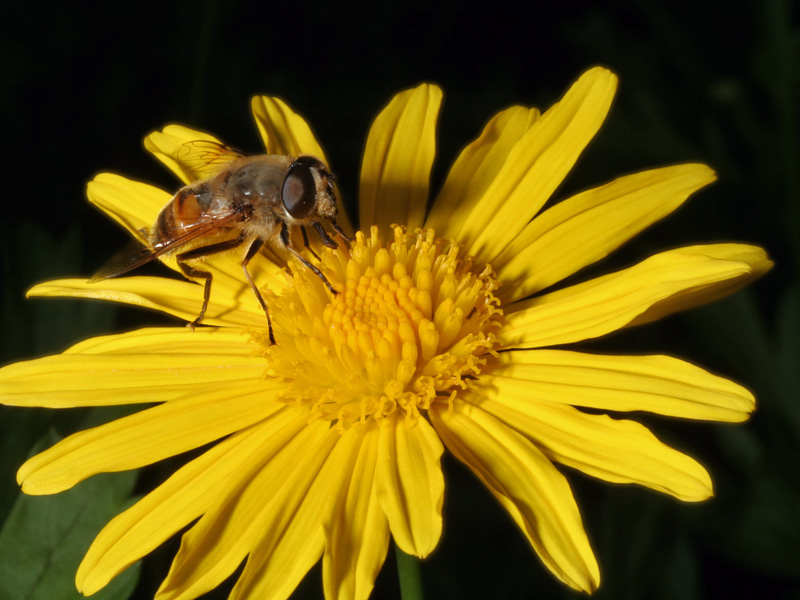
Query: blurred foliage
{"points": [[700, 81], [44, 538]]}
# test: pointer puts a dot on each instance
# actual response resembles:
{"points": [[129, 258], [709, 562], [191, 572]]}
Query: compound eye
{"points": [[299, 191]]}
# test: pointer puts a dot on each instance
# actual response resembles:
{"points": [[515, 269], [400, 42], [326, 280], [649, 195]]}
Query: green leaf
{"points": [[45, 537]]}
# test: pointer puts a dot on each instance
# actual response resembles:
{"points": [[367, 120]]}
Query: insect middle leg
{"points": [[251, 252], [190, 271]]}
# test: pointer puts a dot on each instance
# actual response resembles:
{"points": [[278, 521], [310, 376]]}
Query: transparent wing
{"points": [[128, 261], [205, 158]]}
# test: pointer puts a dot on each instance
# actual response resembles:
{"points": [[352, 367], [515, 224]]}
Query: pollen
{"points": [[411, 324]]}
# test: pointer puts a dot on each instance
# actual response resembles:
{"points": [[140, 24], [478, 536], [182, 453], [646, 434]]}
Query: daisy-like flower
{"points": [[444, 335]]}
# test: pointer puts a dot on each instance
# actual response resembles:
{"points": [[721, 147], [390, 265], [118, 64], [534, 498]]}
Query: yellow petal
{"points": [[182, 299], [170, 340], [657, 384], [150, 365], [660, 285], [166, 510], [755, 258], [537, 165], [132, 204], [166, 144], [476, 168], [528, 486], [284, 131], [228, 275], [149, 436], [410, 485], [401, 146], [292, 538], [587, 227], [356, 530], [614, 450], [233, 525]]}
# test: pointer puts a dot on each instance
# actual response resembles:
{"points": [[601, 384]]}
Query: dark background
{"points": [[700, 81]]}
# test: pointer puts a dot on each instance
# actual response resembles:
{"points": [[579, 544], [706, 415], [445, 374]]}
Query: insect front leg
{"points": [[191, 271], [338, 230], [326, 239], [305, 242], [251, 252], [287, 243]]}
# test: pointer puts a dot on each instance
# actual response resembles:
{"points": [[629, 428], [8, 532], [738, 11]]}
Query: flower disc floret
{"points": [[409, 326]]}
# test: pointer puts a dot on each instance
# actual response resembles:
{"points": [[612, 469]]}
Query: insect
{"points": [[237, 201]]}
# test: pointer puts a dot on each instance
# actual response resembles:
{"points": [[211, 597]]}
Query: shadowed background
{"points": [[700, 81]]}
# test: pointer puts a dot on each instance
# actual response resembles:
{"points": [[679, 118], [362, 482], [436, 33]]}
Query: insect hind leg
{"points": [[191, 271]]}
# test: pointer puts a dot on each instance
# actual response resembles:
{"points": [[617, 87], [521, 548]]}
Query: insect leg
{"points": [[251, 252], [338, 230], [326, 239], [190, 271], [305, 241], [287, 243]]}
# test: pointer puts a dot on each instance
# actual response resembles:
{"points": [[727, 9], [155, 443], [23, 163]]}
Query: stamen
{"points": [[411, 323]]}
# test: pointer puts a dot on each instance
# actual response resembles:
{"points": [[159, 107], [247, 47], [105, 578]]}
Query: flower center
{"points": [[409, 327]]}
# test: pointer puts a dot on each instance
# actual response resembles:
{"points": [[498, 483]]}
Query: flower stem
{"points": [[408, 573]]}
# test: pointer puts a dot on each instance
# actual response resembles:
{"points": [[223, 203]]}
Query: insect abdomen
{"points": [[186, 210]]}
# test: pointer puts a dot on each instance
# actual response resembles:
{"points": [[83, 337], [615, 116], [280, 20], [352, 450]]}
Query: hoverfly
{"points": [[237, 201]]}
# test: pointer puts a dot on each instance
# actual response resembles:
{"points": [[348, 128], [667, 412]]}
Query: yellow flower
{"points": [[443, 335]]}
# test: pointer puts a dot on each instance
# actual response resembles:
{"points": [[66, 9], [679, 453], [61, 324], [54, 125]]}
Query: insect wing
{"points": [[124, 261], [205, 158], [128, 261]]}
